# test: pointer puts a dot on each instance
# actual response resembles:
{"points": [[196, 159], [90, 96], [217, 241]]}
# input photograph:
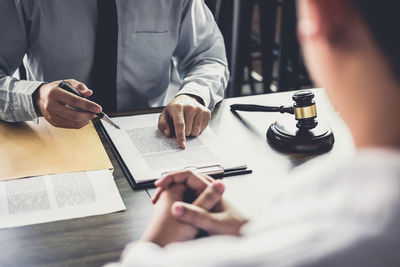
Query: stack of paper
{"points": [[49, 174]]}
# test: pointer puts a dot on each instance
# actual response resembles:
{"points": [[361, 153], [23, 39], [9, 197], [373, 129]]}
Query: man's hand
{"points": [[55, 104], [164, 228], [184, 116]]}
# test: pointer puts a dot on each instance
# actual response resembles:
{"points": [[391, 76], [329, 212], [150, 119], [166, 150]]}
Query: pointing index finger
{"points": [[179, 124]]}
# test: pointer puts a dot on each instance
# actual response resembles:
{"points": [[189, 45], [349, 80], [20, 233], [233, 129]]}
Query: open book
{"points": [[145, 154]]}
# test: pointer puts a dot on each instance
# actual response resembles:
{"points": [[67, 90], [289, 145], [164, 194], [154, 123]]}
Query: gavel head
{"points": [[305, 110]]}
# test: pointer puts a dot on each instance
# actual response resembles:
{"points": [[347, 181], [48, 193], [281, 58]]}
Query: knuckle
{"points": [[52, 93], [161, 122], [188, 173], [164, 116], [46, 106], [198, 109], [192, 216], [190, 109], [210, 195], [178, 106], [74, 101], [179, 124], [88, 106]]}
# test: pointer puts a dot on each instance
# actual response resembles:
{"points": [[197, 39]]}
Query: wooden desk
{"points": [[97, 240]]}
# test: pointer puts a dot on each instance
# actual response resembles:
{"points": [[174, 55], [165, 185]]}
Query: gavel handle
{"points": [[258, 108]]}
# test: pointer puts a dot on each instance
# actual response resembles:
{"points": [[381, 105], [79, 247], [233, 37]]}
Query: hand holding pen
{"points": [[67, 87], [55, 103]]}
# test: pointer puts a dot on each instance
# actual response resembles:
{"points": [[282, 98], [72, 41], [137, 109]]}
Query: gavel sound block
{"points": [[307, 136]]}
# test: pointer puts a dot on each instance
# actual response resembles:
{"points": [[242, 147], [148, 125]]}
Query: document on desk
{"points": [[148, 154], [31, 149], [56, 197]]}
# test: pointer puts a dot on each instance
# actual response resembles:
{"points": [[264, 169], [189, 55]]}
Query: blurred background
{"points": [[261, 44]]}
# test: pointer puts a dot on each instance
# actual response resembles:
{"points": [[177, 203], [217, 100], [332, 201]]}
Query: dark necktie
{"points": [[104, 70]]}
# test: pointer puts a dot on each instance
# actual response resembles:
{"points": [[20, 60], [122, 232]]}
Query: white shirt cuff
{"points": [[198, 90]]}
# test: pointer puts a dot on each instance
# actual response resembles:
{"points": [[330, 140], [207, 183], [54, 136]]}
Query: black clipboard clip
{"points": [[215, 171]]}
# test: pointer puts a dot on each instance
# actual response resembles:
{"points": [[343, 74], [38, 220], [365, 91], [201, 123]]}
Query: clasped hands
{"points": [[175, 220], [184, 116]]}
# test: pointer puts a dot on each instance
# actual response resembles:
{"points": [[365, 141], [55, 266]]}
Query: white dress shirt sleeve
{"points": [[193, 253], [330, 239], [343, 214], [16, 102], [201, 56]]}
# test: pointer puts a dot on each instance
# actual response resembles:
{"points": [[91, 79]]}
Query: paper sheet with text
{"points": [[149, 154], [56, 197]]}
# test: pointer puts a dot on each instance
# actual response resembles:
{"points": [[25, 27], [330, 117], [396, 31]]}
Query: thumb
{"points": [[163, 123], [86, 92], [195, 216]]}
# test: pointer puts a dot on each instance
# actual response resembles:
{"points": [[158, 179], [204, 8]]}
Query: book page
{"points": [[149, 154], [56, 197], [163, 153]]}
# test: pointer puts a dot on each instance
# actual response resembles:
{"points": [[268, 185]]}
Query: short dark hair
{"points": [[383, 19]]}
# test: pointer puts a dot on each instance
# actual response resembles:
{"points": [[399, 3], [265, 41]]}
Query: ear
{"points": [[322, 18]]}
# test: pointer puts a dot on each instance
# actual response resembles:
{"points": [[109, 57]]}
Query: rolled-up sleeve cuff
{"points": [[198, 90], [22, 107]]}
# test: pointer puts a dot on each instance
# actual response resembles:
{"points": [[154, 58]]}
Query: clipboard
{"points": [[122, 164], [214, 170]]}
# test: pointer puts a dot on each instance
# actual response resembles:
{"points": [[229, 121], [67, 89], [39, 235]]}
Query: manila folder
{"points": [[31, 149]]}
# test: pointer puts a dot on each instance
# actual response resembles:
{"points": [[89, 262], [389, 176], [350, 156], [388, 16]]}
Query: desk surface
{"points": [[97, 240]]}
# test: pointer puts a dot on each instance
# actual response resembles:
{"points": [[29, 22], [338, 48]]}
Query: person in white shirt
{"points": [[127, 52], [342, 213]]}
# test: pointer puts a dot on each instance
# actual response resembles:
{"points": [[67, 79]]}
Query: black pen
{"points": [[67, 87], [230, 173]]}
